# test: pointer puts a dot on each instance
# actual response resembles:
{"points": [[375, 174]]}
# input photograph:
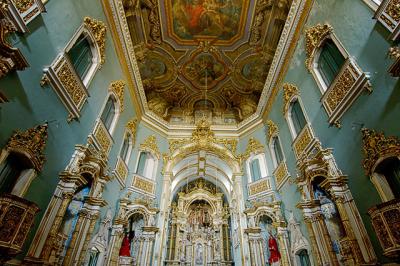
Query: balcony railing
{"points": [[281, 174], [388, 14], [385, 219], [23, 12], [121, 171], [143, 185], [16, 219], [101, 137], [260, 188], [304, 141]]}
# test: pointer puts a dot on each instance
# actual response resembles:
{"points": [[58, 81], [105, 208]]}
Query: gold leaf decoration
{"points": [[98, 29], [150, 144], [31, 142], [117, 87], [289, 90], [376, 146], [314, 36], [132, 127]]}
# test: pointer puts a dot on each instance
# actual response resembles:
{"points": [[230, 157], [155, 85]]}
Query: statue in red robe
{"points": [[125, 250], [274, 255]]}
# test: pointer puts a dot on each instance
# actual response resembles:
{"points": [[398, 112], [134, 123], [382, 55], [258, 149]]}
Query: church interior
{"points": [[200, 132]]}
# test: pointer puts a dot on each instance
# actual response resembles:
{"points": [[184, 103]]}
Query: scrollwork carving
{"points": [[31, 142], [118, 87], [289, 91], [98, 29], [314, 37], [377, 146], [150, 144], [272, 130]]}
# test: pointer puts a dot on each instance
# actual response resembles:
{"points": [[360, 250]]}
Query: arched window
{"points": [[256, 168], [147, 165], [302, 258], [297, 117], [386, 178], [81, 56], [277, 150], [330, 61], [126, 148], [109, 113]]}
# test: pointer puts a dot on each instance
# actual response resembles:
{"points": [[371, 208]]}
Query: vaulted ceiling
{"points": [[204, 58]]}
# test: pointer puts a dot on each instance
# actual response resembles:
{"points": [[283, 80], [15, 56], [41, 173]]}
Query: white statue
{"points": [[298, 241]]}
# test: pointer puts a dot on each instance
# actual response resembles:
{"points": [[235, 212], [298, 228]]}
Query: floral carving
{"points": [[31, 142], [150, 144], [272, 129], [98, 29], [132, 127], [314, 36], [340, 90], [253, 147], [289, 90], [10, 58], [377, 145], [302, 142], [143, 185], [117, 87]]}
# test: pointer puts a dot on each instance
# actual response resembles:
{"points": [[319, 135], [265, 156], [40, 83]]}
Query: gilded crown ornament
{"points": [[31, 142], [118, 87], [150, 144], [132, 127], [98, 29], [203, 135], [272, 129], [289, 90], [314, 36], [254, 146], [376, 146]]}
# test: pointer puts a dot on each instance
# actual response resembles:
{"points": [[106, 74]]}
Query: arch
{"points": [[96, 39]]}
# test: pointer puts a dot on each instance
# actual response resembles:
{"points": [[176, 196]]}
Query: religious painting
{"points": [[152, 68], [204, 71], [206, 19]]}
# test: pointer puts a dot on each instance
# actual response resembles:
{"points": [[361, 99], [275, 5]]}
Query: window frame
{"points": [[117, 113], [145, 169], [96, 58], [264, 172], [127, 135], [323, 87], [289, 119], [272, 150]]}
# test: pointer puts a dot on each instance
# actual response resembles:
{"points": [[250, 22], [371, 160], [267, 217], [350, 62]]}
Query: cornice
{"points": [[125, 51]]}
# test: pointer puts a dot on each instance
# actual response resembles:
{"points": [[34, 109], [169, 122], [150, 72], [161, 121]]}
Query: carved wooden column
{"points": [[312, 213], [284, 245], [83, 230]]}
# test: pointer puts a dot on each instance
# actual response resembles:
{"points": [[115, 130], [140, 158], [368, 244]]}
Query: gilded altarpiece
{"points": [[334, 224], [199, 233]]}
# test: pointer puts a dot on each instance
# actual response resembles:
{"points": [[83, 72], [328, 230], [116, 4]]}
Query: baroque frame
{"points": [[338, 96], [61, 75]]}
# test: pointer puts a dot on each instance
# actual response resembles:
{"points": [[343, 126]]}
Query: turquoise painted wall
{"points": [[29, 104], [366, 40]]}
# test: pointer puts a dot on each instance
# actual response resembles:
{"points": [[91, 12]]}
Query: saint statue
{"points": [[274, 256], [125, 250]]}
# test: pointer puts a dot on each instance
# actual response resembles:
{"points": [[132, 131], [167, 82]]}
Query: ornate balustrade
{"points": [[304, 141], [394, 53], [385, 219], [260, 188], [345, 89], [143, 186], [101, 138], [281, 174], [388, 14], [16, 219], [121, 171], [62, 77], [23, 12]]}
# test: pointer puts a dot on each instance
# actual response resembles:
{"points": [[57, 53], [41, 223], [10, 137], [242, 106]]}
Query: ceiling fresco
{"points": [[204, 58]]}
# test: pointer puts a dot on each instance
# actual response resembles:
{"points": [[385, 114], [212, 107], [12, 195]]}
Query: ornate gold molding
{"points": [[118, 87], [259, 187], [132, 127], [273, 130], [32, 143], [388, 14], [289, 90], [253, 147], [314, 37], [143, 185], [10, 58], [377, 146], [98, 29], [394, 53], [150, 144]]}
